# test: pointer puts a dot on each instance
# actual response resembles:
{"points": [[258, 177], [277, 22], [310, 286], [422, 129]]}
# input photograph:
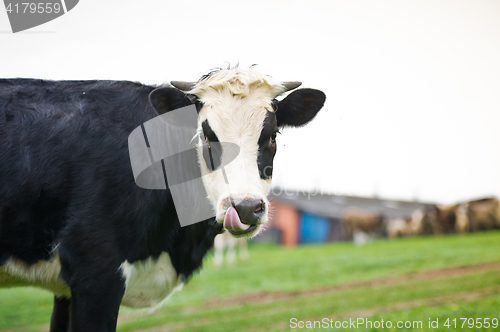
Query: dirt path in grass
{"points": [[435, 301], [266, 297], [276, 296]]}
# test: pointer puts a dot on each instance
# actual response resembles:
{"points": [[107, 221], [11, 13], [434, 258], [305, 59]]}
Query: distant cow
{"points": [[72, 219], [473, 216], [399, 227], [357, 220], [448, 218], [479, 215], [425, 221], [232, 246]]}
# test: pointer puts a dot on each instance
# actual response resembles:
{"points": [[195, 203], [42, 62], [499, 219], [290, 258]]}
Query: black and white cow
{"points": [[73, 221]]}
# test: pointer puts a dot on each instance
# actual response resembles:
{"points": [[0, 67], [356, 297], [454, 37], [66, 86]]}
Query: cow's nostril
{"points": [[259, 208], [250, 211]]}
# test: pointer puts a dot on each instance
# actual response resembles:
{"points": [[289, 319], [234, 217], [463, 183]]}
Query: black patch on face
{"points": [[267, 146], [212, 151]]}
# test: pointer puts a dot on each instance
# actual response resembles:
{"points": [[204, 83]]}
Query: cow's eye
{"points": [[272, 141], [208, 132]]}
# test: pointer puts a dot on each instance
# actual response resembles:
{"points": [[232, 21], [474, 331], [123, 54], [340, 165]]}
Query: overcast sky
{"points": [[413, 87]]}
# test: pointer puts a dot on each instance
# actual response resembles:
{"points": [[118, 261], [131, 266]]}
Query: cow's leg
{"points": [[60, 314], [91, 267], [231, 250], [243, 250], [219, 250], [95, 302]]}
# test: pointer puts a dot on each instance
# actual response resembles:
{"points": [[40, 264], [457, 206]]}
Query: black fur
{"points": [[267, 146], [59, 322], [299, 107], [66, 178], [167, 99]]}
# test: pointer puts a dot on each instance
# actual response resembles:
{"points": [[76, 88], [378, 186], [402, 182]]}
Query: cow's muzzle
{"points": [[244, 217]]}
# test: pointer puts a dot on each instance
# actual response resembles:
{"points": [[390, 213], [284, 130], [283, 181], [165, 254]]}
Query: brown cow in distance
{"points": [[448, 218], [426, 221], [357, 220], [423, 221], [479, 215]]}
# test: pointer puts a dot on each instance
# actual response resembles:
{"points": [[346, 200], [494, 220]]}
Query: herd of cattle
{"points": [[473, 216]]}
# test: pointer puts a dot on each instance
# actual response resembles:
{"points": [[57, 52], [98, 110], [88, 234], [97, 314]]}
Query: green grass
{"points": [[338, 304], [473, 293], [487, 306]]}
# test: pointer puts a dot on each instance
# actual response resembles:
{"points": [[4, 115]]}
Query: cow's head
{"points": [[240, 106]]}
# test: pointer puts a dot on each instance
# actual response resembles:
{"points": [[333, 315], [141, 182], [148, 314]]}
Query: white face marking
{"points": [[235, 104], [150, 282], [44, 274]]}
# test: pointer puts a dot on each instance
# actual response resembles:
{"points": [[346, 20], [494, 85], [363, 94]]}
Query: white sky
{"points": [[413, 87]]}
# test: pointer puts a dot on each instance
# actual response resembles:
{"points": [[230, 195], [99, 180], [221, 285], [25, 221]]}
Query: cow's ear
{"points": [[299, 107], [167, 99]]}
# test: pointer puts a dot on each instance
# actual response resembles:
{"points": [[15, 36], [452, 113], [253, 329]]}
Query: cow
{"points": [[72, 219], [478, 215], [399, 228], [422, 221], [448, 218], [357, 222], [425, 221]]}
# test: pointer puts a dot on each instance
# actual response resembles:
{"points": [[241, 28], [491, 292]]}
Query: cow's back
{"points": [[62, 143]]}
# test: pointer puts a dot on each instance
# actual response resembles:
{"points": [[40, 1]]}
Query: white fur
{"points": [[150, 282], [44, 274], [235, 104]]}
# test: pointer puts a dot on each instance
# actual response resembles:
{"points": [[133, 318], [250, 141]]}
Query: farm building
{"points": [[302, 217]]}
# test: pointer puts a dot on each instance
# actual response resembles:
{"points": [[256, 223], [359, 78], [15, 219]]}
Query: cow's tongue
{"points": [[232, 221]]}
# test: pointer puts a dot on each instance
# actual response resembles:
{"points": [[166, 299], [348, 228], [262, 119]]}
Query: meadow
{"points": [[399, 280]]}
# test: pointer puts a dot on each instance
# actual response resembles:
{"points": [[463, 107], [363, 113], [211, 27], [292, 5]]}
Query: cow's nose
{"points": [[250, 211]]}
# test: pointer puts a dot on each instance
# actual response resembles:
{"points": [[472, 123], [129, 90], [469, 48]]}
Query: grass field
{"points": [[413, 279]]}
